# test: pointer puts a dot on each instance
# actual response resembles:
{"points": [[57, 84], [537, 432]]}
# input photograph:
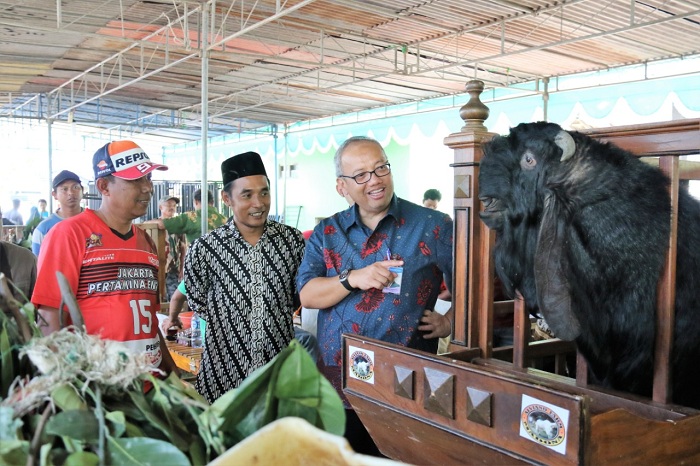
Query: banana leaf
{"points": [[172, 424], [82, 458], [117, 423], [144, 451], [289, 385], [66, 397], [9, 361], [77, 424], [156, 422]]}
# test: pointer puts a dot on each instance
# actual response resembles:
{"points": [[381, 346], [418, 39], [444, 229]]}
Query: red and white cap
{"points": [[123, 159]]}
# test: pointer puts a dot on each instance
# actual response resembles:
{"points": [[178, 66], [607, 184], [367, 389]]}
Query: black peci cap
{"points": [[242, 165]]}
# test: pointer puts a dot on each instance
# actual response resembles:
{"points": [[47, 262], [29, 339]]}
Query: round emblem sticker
{"points": [[543, 425], [362, 366]]}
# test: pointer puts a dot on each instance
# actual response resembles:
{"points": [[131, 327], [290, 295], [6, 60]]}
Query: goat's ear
{"points": [[553, 287], [566, 143]]}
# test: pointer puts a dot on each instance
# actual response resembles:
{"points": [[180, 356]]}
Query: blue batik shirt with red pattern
{"points": [[419, 236]]}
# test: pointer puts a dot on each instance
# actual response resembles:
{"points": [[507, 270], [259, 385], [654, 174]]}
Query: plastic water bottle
{"points": [[196, 331]]}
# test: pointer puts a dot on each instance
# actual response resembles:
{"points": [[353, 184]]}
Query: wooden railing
{"points": [[473, 278], [159, 237]]}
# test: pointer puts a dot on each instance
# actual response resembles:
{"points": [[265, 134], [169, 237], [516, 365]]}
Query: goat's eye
{"points": [[528, 162]]}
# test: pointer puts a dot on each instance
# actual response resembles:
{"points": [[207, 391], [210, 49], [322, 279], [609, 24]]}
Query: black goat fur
{"points": [[584, 241]]}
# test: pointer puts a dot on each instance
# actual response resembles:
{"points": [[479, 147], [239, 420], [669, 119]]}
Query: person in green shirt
{"points": [[190, 223]]}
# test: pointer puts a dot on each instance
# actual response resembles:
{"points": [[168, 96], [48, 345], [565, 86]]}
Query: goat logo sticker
{"points": [[544, 423], [361, 364]]}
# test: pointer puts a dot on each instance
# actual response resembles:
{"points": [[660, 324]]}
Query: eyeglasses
{"points": [[364, 177]]}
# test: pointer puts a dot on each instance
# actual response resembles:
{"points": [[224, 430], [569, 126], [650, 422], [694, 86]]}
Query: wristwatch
{"points": [[344, 280]]}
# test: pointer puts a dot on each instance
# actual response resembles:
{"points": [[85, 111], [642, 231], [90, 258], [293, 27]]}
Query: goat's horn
{"points": [[566, 143]]}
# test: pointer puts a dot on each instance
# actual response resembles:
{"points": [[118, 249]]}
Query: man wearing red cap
{"points": [[111, 265]]}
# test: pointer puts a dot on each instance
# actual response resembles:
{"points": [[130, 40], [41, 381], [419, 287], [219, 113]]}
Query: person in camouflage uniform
{"points": [[176, 246], [190, 223]]}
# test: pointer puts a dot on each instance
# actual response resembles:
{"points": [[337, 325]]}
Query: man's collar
{"points": [[272, 229], [351, 215]]}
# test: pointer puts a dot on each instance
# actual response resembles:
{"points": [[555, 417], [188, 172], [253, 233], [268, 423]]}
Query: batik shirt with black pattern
{"points": [[421, 237], [245, 293]]}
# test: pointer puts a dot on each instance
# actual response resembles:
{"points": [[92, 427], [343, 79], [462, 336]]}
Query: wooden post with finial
{"points": [[472, 286]]}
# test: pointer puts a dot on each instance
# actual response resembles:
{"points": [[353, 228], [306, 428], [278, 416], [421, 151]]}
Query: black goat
{"points": [[582, 229]]}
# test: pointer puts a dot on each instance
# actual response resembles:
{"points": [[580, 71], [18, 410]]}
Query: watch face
{"points": [[344, 274]]}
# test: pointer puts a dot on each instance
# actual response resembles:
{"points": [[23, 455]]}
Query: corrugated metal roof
{"points": [[137, 65]]}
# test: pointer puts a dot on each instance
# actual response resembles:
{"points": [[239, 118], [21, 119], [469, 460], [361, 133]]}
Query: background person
{"points": [[110, 264], [13, 214], [431, 199], [347, 265], [240, 279], [5, 221], [68, 193], [33, 220], [43, 213], [190, 223], [19, 266], [176, 247]]}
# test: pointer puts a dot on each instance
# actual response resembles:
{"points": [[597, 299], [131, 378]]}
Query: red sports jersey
{"points": [[114, 278]]}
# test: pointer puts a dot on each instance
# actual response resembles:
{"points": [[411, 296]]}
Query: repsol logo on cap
{"points": [[123, 159], [103, 168], [129, 158]]}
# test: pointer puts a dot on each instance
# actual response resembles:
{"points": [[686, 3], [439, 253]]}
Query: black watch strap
{"points": [[344, 281]]}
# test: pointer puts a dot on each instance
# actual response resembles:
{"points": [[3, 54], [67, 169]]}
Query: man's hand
{"points": [[435, 325], [155, 222], [376, 275], [170, 322]]}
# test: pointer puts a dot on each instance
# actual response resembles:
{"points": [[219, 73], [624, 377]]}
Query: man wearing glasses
{"points": [[375, 269]]}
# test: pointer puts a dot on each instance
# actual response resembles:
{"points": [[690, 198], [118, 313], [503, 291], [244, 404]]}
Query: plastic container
{"points": [[196, 331], [186, 319]]}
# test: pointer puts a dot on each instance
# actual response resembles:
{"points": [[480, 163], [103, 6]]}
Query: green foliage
{"points": [[91, 423], [138, 451], [79, 425], [290, 385]]}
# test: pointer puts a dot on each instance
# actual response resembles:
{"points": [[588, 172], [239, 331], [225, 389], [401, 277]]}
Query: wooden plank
{"points": [[620, 437], [688, 169], [159, 238], [601, 399], [444, 447], [185, 357], [448, 396], [666, 296], [679, 137], [603, 427], [521, 332]]}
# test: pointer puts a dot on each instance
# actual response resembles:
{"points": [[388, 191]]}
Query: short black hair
{"points": [[198, 196], [432, 194]]}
